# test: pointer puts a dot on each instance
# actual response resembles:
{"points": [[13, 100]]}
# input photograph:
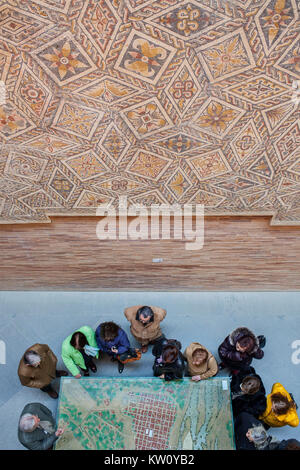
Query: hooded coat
{"points": [[208, 369], [148, 333], [38, 377], [236, 359], [277, 421], [254, 404], [121, 342], [71, 356], [172, 371]]}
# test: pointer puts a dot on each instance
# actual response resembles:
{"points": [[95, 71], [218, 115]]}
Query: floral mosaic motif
{"points": [[18, 26], [188, 19], [114, 143], [255, 199], [258, 89], [100, 22], [184, 88], [50, 143], [146, 119], [210, 165], [181, 144], [144, 57], [13, 122], [237, 184], [32, 92], [86, 165], [262, 167], [25, 166], [107, 90], [149, 198], [148, 165], [90, 199], [64, 59], [276, 115], [120, 185], [226, 57], [78, 120], [273, 20], [206, 198], [289, 61], [61, 184], [217, 117], [178, 184]]}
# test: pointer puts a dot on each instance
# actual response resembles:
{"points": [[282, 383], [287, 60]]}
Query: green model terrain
{"points": [[145, 413]]}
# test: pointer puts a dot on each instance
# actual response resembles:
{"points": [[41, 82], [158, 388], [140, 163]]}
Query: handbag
{"points": [[130, 356]]}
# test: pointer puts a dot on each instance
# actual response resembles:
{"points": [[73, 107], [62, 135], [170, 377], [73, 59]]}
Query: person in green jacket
{"points": [[78, 350]]}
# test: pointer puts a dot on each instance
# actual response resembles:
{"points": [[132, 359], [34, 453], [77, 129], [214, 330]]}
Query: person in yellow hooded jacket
{"points": [[280, 410], [201, 363]]}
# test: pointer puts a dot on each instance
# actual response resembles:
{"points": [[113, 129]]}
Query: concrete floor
{"points": [[207, 317]]}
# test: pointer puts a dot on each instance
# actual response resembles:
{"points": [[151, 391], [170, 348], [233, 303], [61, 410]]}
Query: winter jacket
{"points": [[242, 424], [148, 333], [208, 369], [121, 342], [38, 439], [283, 444], [253, 404], [38, 377], [276, 421], [172, 371], [235, 359], [71, 356]]}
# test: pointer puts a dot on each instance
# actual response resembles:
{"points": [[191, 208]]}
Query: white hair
{"points": [[32, 358], [27, 423]]}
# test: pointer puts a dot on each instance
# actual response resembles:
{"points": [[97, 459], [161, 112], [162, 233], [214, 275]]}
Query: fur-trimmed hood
{"points": [[239, 333]]}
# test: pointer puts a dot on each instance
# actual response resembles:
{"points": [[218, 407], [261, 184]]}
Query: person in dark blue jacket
{"points": [[112, 340]]}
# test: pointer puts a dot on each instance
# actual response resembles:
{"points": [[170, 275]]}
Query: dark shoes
{"points": [[262, 341], [61, 373], [93, 367], [120, 367], [52, 393]]}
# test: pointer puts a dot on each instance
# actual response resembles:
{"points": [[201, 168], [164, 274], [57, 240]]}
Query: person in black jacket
{"points": [[239, 348], [250, 434], [248, 393], [169, 363]]}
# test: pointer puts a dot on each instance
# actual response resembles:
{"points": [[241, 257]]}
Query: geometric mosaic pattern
{"points": [[191, 101]]}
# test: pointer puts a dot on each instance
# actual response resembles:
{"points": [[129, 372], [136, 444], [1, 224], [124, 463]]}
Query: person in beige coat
{"points": [[145, 324], [201, 363], [37, 369]]}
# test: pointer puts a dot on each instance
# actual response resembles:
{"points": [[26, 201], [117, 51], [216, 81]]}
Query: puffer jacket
{"points": [[172, 371], [253, 404], [227, 350], [71, 356], [121, 342], [277, 421]]}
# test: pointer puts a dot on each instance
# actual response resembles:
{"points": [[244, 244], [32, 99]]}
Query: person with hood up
{"points": [[280, 410], [239, 348], [169, 363], [248, 393], [201, 363]]}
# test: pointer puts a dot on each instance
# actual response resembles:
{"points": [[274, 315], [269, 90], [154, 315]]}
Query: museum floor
{"points": [[48, 317]]}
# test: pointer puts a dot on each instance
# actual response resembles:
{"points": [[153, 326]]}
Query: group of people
{"points": [[253, 411]]}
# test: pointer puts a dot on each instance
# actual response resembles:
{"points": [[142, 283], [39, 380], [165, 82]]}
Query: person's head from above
{"points": [[245, 344], [28, 422], [250, 385], [109, 331], [169, 354], [78, 340], [292, 445], [258, 435], [32, 358], [281, 405], [145, 315], [199, 356]]}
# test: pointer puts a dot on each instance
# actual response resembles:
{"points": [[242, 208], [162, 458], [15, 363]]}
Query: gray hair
{"points": [[32, 358], [27, 423], [259, 436]]}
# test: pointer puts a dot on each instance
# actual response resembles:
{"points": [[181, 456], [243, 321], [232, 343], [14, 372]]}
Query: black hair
{"points": [[82, 341], [145, 312]]}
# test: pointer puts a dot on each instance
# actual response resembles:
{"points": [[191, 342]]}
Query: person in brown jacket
{"points": [[37, 369], [145, 324], [201, 363]]}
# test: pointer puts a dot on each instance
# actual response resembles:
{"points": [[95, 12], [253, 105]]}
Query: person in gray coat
{"points": [[36, 430]]}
